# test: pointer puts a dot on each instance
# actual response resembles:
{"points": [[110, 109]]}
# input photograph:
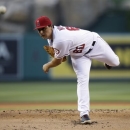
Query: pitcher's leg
{"points": [[82, 69], [103, 52], [83, 95], [110, 58]]}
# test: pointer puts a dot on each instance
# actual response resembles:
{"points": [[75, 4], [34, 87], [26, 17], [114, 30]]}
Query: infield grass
{"points": [[62, 92]]}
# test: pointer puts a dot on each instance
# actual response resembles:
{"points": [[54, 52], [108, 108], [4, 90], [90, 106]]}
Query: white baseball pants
{"points": [[81, 65]]}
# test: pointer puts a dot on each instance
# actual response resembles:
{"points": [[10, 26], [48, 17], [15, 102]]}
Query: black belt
{"points": [[91, 48]]}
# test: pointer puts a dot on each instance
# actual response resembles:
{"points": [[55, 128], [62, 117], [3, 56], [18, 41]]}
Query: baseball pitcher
{"points": [[82, 46]]}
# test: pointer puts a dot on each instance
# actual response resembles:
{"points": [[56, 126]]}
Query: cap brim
{"points": [[39, 27]]}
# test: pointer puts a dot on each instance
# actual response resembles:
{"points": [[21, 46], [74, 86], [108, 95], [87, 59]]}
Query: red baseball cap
{"points": [[42, 22]]}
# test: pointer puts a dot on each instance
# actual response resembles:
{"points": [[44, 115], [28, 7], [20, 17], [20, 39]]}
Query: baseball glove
{"points": [[50, 51]]}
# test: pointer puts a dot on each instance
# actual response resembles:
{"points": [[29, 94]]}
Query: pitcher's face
{"points": [[46, 32]]}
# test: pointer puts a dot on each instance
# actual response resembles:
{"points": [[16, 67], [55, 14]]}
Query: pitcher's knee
{"points": [[116, 61]]}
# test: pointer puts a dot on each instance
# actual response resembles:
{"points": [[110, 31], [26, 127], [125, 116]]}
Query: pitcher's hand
{"points": [[45, 68]]}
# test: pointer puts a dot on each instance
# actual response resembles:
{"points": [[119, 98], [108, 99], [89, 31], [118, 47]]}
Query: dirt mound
{"points": [[63, 120]]}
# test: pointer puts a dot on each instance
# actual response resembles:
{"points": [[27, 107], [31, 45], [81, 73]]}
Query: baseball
{"points": [[2, 9]]}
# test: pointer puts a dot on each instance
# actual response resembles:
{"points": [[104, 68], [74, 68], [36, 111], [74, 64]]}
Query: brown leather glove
{"points": [[50, 51]]}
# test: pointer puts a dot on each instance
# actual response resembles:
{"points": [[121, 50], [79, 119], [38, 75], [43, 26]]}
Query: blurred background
{"points": [[22, 56]]}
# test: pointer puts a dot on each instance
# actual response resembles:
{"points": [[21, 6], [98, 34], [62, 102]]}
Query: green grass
{"points": [[110, 91], [62, 92]]}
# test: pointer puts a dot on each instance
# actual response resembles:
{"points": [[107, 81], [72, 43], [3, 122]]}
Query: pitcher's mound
{"points": [[63, 120]]}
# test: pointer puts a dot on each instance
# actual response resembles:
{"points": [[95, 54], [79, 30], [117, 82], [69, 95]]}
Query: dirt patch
{"points": [[55, 119]]}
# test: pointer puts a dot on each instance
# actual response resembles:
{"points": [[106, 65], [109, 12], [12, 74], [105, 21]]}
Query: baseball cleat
{"points": [[85, 119], [107, 66]]}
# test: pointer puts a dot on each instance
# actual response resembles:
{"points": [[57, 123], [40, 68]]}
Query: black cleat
{"points": [[107, 66], [85, 119]]}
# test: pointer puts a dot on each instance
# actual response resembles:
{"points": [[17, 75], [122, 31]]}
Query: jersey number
{"points": [[68, 28], [79, 49], [72, 28]]}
